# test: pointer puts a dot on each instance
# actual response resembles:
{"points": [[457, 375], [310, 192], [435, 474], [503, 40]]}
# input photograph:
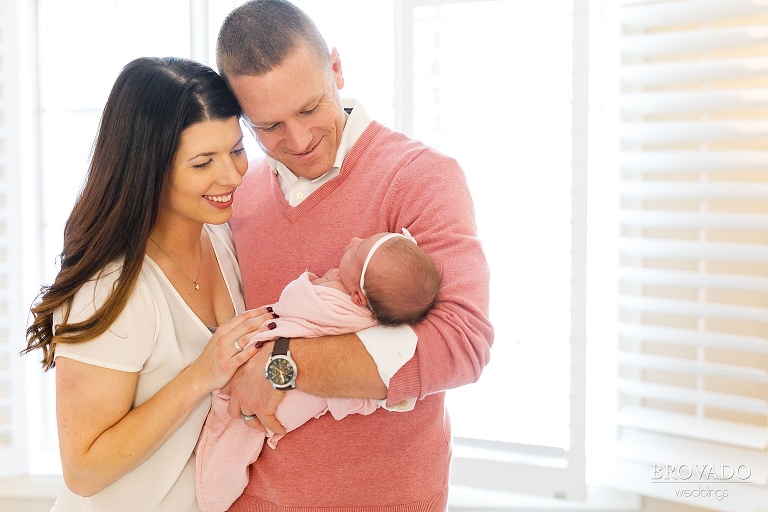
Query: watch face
{"points": [[280, 371]]}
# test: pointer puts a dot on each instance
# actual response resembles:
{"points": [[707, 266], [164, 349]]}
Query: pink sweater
{"points": [[386, 461]]}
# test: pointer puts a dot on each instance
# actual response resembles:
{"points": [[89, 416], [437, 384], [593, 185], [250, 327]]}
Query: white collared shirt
{"points": [[390, 347]]}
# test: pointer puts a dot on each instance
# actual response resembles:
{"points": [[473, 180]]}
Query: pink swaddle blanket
{"points": [[227, 446]]}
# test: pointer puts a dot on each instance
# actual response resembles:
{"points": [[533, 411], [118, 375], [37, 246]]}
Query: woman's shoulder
{"points": [[129, 340], [95, 291]]}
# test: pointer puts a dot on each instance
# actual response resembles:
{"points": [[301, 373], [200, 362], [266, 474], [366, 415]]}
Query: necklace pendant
{"points": [[197, 286]]}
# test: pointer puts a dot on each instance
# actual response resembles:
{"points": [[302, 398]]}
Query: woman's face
{"points": [[207, 169]]}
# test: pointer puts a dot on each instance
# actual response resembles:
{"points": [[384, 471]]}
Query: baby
{"points": [[383, 279], [399, 287]]}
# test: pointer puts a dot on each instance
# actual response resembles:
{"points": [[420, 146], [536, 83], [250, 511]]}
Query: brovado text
{"points": [[700, 472]]}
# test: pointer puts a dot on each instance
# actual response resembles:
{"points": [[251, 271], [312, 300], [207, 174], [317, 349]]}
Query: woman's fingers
{"points": [[229, 333], [242, 356], [243, 318]]}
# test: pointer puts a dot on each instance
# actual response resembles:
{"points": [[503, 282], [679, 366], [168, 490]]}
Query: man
{"points": [[330, 174]]}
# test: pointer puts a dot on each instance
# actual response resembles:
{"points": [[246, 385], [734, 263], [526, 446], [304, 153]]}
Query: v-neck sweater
{"points": [[386, 461]]}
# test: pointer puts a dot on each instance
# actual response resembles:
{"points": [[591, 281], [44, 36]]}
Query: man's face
{"points": [[295, 111]]}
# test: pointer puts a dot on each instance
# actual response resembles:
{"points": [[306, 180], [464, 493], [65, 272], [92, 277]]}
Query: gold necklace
{"points": [[197, 286]]}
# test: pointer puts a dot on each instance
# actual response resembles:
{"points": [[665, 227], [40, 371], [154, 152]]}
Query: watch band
{"points": [[280, 347], [281, 357]]}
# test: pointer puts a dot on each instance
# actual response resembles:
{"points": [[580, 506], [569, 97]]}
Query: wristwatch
{"points": [[281, 369]]}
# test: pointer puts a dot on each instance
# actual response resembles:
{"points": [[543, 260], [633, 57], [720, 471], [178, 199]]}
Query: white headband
{"points": [[378, 244]]}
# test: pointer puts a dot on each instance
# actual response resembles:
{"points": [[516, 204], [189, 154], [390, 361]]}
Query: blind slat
{"points": [[693, 279], [657, 103], [657, 15], [692, 337], [676, 364], [688, 190], [647, 247], [702, 220], [693, 41], [692, 308], [708, 429], [677, 394], [693, 72], [649, 161], [692, 131]]}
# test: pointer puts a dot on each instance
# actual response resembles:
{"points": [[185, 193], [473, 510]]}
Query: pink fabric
{"points": [[384, 461], [227, 446]]}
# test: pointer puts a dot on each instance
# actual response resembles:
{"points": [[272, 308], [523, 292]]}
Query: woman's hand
{"points": [[102, 436], [228, 348]]}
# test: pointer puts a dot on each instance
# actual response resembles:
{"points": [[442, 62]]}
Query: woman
{"points": [[147, 274]]}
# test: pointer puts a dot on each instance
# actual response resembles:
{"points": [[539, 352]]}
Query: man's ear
{"points": [[336, 68], [358, 298]]}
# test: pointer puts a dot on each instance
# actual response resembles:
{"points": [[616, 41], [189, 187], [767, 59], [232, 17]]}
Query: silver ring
{"points": [[237, 345], [248, 417]]}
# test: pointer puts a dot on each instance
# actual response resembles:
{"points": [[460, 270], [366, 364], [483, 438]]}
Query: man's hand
{"points": [[251, 393]]}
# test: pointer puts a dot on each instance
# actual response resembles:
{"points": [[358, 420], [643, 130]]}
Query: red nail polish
{"points": [[271, 325], [269, 309], [275, 315]]}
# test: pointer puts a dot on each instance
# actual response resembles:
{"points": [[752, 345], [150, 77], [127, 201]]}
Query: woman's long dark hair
{"points": [[152, 102]]}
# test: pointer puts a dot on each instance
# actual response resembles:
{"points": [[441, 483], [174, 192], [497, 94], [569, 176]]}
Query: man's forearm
{"points": [[336, 367]]}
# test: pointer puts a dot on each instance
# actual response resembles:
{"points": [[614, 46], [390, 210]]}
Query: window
{"points": [[13, 234]]}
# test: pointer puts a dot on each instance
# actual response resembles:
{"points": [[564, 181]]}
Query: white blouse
{"points": [[157, 335]]}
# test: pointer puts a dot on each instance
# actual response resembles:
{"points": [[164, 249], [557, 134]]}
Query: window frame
{"points": [[516, 467], [20, 238]]}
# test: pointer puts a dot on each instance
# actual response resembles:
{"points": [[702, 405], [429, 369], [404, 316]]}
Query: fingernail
{"points": [[275, 315], [271, 325], [269, 309]]}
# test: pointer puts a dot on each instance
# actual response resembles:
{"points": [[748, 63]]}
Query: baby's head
{"points": [[392, 276]]}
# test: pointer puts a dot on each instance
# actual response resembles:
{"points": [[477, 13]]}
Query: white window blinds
{"points": [[693, 306]]}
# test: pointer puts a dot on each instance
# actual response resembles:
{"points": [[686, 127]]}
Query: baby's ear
{"points": [[358, 298]]}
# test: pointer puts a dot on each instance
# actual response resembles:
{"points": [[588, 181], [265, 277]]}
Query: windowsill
{"points": [[472, 499], [32, 493]]}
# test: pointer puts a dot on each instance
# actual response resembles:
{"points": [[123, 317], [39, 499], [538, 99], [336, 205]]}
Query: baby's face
{"points": [[351, 265]]}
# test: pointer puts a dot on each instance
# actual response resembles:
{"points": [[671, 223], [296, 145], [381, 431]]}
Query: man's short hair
{"points": [[258, 35]]}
